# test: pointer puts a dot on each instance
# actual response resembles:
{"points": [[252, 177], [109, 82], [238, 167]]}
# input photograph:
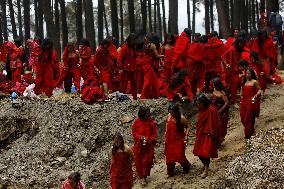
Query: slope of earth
{"points": [[241, 164]]}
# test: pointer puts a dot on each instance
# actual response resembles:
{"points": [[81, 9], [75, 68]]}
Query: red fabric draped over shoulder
{"points": [[144, 155], [207, 133]]}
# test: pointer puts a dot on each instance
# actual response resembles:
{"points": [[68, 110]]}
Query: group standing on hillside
{"points": [[182, 68]]}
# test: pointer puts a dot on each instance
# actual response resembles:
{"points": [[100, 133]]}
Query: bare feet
{"points": [[205, 173]]}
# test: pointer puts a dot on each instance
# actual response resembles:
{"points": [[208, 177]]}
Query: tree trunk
{"points": [[231, 7], [40, 20], [212, 15], [89, 23], [159, 18], [1, 34], [64, 23], [106, 23], [27, 19], [57, 26], [242, 14], [121, 20], [257, 10], [131, 15], [144, 15], [36, 16], [100, 20], [193, 15], [114, 19], [79, 21], [50, 26], [253, 14], [155, 16], [12, 17], [188, 13], [237, 13], [4, 20], [173, 16], [207, 19], [19, 16], [249, 14], [150, 15], [223, 17], [164, 18], [262, 6]]}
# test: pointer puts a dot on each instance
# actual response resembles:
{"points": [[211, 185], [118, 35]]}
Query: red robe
{"points": [[168, 63], [121, 173], [248, 110], [195, 65], [207, 133], [232, 57], [174, 143], [184, 88], [104, 63], [144, 154], [180, 50], [67, 185], [151, 85], [47, 68], [139, 70], [91, 92], [71, 71], [87, 62], [267, 54], [34, 51], [126, 63], [16, 64], [229, 43]]}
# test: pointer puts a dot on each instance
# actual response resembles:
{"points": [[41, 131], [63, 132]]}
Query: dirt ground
{"points": [[42, 141], [271, 116]]}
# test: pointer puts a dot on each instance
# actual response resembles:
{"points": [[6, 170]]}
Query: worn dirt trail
{"points": [[272, 115]]}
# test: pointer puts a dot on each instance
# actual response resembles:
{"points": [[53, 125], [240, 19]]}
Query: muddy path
{"points": [[271, 116]]}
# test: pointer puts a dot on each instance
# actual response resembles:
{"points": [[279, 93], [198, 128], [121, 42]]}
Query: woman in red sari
{"points": [[121, 174], [221, 102], [150, 66], [248, 107], [144, 132], [73, 182], [71, 68], [207, 132], [175, 140], [168, 51], [47, 69], [87, 63]]}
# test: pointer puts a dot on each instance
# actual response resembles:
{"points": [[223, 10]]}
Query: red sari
{"points": [[121, 174], [67, 185], [183, 88], [87, 63], [180, 49], [16, 64], [248, 110], [46, 72], [174, 143], [71, 71], [196, 66], [168, 63], [104, 63], [151, 85], [232, 57], [126, 63], [144, 154], [207, 133]]}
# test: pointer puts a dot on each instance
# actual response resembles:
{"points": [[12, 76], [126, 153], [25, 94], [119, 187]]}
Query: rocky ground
{"points": [[43, 140]]}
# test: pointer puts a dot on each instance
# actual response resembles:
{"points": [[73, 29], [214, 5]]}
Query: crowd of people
{"points": [[189, 67]]}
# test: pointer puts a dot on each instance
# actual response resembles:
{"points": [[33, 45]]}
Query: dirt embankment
{"points": [[42, 141]]}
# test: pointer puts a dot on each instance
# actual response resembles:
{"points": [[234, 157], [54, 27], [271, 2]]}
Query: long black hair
{"points": [[217, 82], [130, 40], [173, 39], [46, 46], [252, 73], [178, 78], [114, 147], [75, 176], [175, 112], [155, 39], [203, 99], [144, 113]]}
